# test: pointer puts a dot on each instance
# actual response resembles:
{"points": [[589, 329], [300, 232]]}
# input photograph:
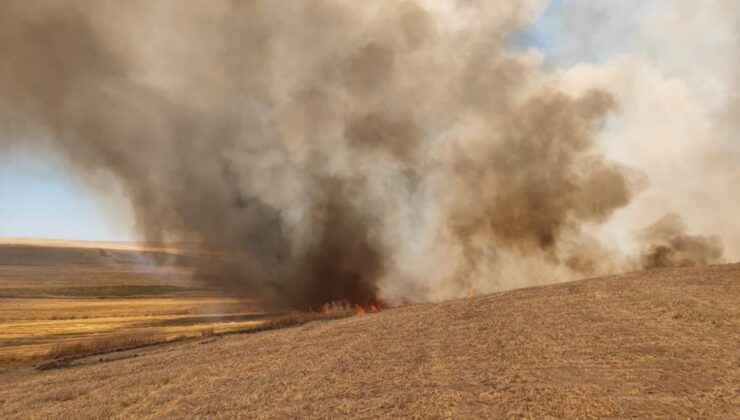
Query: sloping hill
{"points": [[662, 343]]}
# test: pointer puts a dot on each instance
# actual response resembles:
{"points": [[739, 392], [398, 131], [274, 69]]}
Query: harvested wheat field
{"points": [[664, 343], [68, 298]]}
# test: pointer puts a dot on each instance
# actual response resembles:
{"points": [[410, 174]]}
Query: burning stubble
{"points": [[328, 150]]}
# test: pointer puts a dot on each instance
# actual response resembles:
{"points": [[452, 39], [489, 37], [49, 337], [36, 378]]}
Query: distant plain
{"points": [[59, 298]]}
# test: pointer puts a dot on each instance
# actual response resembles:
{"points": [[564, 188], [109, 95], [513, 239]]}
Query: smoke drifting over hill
{"points": [[668, 245], [335, 150]]}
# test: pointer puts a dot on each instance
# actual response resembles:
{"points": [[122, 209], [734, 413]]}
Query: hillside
{"points": [[657, 344]]}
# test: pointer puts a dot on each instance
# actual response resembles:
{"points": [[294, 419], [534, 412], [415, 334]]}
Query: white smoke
{"points": [[673, 68]]}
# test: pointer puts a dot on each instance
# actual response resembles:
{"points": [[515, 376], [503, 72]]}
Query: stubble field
{"points": [[65, 298], [658, 344]]}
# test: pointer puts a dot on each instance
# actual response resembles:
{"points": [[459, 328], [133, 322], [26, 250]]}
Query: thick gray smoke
{"points": [[325, 149]]}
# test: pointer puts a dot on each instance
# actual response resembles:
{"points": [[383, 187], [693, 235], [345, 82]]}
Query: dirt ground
{"points": [[659, 344]]}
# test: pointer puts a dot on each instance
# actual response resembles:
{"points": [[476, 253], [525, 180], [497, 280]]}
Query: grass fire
{"points": [[389, 208]]}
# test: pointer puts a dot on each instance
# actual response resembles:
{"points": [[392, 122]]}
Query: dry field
{"points": [[662, 344], [65, 298]]}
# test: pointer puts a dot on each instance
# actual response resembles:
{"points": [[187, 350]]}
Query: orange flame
{"points": [[343, 307]]}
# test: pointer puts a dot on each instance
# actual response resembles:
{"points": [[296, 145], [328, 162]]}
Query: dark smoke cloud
{"points": [[666, 244], [325, 150]]}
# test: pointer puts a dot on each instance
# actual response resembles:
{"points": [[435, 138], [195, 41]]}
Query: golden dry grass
{"points": [[31, 328], [658, 344], [66, 298], [100, 345]]}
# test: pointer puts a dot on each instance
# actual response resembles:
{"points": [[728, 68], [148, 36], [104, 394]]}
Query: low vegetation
{"points": [[335, 310]]}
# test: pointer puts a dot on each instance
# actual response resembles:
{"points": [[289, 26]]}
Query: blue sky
{"points": [[545, 33], [39, 199]]}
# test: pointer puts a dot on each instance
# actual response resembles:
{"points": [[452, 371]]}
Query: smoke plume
{"points": [[666, 244], [323, 149], [671, 67]]}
